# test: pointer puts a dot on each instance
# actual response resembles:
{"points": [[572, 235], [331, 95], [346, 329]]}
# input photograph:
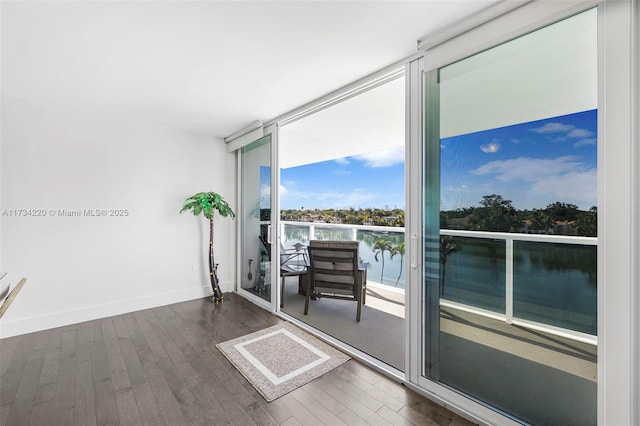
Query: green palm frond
{"points": [[380, 246], [399, 249], [207, 203]]}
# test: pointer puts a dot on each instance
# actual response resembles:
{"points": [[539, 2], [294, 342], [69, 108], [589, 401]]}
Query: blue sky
{"points": [[533, 164], [374, 179]]}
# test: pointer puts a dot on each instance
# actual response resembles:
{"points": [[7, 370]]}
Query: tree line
{"points": [[493, 214], [498, 215], [367, 216]]}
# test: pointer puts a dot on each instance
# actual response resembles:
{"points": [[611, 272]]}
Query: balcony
{"points": [[496, 314], [541, 282]]}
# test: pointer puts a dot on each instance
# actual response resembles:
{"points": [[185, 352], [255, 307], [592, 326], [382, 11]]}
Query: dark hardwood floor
{"points": [[161, 367]]}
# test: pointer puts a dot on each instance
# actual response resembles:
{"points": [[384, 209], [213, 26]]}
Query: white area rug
{"points": [[281, 358]]}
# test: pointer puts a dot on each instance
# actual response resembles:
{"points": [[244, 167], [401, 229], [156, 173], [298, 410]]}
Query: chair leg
{"points": [[307, 296], [363, 277], [359, 309], [364, 293], [282, 293], [364, 287]]}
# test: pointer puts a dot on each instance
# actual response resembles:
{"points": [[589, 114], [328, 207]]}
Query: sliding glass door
{"points": [[509, 290], [342, 173], [255, 219]]}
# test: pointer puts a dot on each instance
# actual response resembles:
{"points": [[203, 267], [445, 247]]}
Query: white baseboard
{"points": [[87, 313]]}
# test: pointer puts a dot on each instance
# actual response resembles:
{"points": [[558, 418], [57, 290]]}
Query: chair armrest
{"points": [[12, 295]]}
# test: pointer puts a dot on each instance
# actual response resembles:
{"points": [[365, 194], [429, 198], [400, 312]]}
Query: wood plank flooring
{"points": [[161, 367]]}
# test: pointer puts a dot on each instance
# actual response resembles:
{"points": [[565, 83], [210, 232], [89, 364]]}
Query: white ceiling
{"points": [[559, 63], [209, 67], [372, 122]]}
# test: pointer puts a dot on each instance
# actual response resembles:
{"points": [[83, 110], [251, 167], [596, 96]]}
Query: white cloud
{"points": [[342, 172], [342, 161], [553, 128], [339, 199], [576, 187], [567, 131], [585, 142], [283, 190], [331, 199], [383, 158], [490, 148], [564, 179], [528, 169], [580, 133]]}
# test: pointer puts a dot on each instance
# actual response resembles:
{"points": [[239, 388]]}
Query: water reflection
{"points": [[553, 283], [393, 274], [556, 284]]}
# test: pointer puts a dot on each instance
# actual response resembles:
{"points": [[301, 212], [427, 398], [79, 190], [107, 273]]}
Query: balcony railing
{"points": [[542, 282], [392, 275]]}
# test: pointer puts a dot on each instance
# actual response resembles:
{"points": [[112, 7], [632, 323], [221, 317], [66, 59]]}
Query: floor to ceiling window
{"points": [[520, 283], [509, 278], [510, 225], [342, 176]]}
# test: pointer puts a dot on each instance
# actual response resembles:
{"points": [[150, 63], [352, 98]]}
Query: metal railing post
{"points": [[509, 278]]}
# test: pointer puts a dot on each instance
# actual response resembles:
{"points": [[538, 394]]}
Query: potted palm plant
{"points": [[207, 203]]}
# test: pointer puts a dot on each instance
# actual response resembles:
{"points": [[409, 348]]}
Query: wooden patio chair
{"points": [[335, 271]]}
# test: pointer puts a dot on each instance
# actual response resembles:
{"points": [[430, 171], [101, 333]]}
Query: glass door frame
{"points": [[423, 124], [618, 93], [618, 302], [273, 235]]}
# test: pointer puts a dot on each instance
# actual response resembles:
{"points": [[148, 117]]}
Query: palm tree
{"points": [[548, 221], [399, 249], [379, 247], [207, 203], [447, 246]]}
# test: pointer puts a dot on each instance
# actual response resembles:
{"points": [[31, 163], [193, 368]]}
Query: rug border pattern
{"points": [[264, 384]]}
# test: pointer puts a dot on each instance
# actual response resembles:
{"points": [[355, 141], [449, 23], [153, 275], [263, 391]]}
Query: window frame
{"points": [[618, 196]]}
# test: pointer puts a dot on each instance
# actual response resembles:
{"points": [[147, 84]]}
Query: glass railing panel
{"points": [[389, 272], [555, 284], [473, 272], [296, 234], [384, 250], [335, 234]]}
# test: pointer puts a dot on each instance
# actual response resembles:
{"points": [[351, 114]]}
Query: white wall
{"points": [[74, 157]]}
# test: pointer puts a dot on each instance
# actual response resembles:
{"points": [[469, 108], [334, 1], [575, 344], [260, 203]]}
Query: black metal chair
{"points": [[293, 262]]}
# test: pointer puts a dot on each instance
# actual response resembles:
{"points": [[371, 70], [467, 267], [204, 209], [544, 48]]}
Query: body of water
{"points": [[553, 283], [393, 273]]}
